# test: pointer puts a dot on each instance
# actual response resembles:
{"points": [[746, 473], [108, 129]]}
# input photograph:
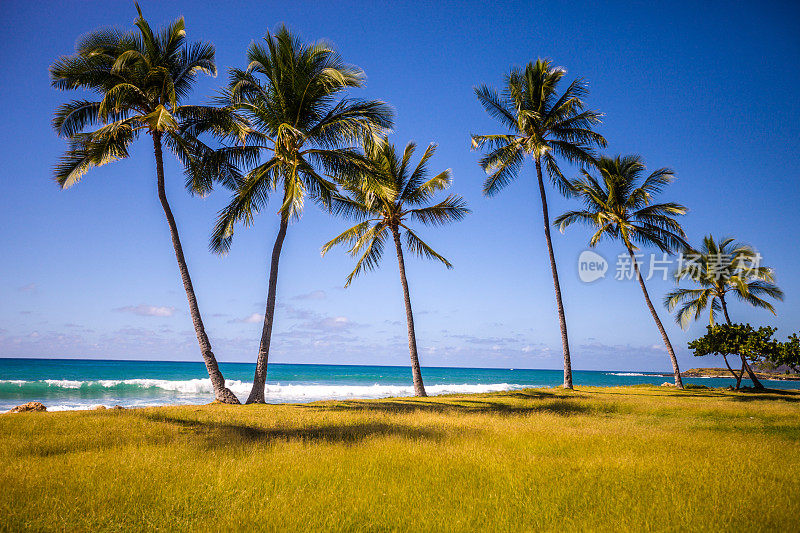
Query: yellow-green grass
{"points": [[628, 458]]}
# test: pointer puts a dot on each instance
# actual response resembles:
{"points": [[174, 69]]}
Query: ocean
{"points": [[68, 384]]}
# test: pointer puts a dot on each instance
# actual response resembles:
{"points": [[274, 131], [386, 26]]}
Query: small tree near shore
{"points": [[743, 340], [788, 354]]}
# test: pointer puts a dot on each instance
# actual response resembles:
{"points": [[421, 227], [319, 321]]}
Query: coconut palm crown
{"points": [[547, 126], [540, 123], [389, 197], [720, 268], [301, 137], [619, 205], [140, 79]]}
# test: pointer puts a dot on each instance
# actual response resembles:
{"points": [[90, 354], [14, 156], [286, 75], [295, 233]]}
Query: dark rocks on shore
{"points": [[29, 407]]}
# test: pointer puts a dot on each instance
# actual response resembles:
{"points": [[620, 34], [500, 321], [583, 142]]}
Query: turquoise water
{"points": [[81, 384]]}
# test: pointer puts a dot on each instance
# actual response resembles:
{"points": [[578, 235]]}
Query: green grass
{"points": [[597, 459]]}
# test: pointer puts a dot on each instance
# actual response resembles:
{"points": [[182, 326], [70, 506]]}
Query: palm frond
{"points": [[502, 165], [451, 209], [419, 248], [373, 251], [348, 237]]}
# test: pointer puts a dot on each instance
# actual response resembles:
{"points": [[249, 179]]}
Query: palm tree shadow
{"points": [[215, 434], [745, 394], [546, 402]]}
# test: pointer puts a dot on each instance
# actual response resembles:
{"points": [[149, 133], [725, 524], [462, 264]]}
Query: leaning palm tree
{"points": [[619, 205], [386, 199], [139, 79], [301, 136], [545, 126], [720, 268]]}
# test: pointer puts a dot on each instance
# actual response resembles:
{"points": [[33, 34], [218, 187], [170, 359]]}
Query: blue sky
{"points": [[708, 89]]}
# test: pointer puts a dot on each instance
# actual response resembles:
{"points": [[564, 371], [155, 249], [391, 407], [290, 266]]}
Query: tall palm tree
{"points": [[386, 199], [301, 135], [720, 268], [545, 126], [619, 205], [139, 79]]}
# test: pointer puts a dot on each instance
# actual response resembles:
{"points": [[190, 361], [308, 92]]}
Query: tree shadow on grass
{"points": [[215, 434], [538, 402], [767, 394], [744, 395], [209, 434]]}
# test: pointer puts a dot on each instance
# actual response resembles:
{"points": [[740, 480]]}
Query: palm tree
{"points": [[299, 134], [388, 196], [719, 269], [618, 206], [139, 77], [545, 126]]}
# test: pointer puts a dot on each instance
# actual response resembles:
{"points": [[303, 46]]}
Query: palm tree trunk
{"points": [[260, 378], [416, 372], [745, 366], [675, 369], [562, 319], [221, 393]]}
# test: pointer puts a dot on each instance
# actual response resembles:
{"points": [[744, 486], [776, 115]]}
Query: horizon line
{"points": [[324, 364]]}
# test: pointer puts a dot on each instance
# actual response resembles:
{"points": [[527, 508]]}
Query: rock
{"points": [[667, 384], [29, 407], [118, 407], [99, 408]]}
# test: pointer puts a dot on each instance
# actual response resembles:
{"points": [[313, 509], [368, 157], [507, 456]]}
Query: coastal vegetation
{"points": [[750, 344], [768, 373], [621, 458]]}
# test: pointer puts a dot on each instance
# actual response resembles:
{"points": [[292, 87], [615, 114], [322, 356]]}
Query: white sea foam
{"points": [[339, 392], [197, 391], [202, 386], [628, 374], [190, 386], [65, 383]]}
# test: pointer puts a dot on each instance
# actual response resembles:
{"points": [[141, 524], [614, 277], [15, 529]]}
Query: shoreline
{"points": [[722, 373], [543, 389], [87, 387]]}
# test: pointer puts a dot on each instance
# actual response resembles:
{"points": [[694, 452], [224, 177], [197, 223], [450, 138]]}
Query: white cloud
{"points": [[332, 323], [255, 318], [313, 295], [147, 310]]}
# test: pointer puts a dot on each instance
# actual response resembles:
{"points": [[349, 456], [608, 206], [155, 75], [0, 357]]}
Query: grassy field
{"points": [[595, 459]]}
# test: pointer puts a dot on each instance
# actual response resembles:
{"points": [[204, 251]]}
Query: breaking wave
{"points": [[73, 394]]}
